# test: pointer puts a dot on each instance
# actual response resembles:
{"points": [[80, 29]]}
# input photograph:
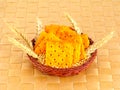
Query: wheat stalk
{"points": [[20, 35], [25, 48], [73, 23], [99, 43]]}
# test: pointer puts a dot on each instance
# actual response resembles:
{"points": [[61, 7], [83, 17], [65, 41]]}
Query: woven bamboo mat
{"points": [[95, 17]]}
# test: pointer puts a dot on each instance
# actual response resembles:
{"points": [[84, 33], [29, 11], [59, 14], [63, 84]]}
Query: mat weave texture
{"points": [[95, 17]]}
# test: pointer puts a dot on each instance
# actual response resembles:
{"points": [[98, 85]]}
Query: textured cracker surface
{"points": [[95, 17]]}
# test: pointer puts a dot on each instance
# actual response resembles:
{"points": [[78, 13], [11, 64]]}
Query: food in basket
{"points": [[61, 45], [60, 50]]}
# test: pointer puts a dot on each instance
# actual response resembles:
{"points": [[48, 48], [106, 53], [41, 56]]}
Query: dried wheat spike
{"points": [[73, 23], [99, 43], [39, 26], [24, 48], [20, 35]]}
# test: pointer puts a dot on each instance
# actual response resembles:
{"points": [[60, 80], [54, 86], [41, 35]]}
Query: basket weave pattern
{"points": [[63, 71]]}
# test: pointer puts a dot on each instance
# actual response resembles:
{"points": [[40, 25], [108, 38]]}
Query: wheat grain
{"points": [[93, 47], [24, 48], [74, 24], [99, 43], [39, 26], [20, 35]]}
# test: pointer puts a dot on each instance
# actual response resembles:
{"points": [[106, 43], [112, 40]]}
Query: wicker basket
{"points": [[62, 72]]}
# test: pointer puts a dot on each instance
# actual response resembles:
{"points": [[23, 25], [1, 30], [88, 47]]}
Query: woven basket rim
{"points": [[36, 60], [62, 72]]}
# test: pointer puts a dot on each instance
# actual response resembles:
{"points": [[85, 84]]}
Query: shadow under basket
{"points": [[62, 72]]}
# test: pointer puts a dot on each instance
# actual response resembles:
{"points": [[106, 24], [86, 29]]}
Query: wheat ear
{"points": [[39, 27], [73, 23], [24, 48], [99, 43], [20, 35]]}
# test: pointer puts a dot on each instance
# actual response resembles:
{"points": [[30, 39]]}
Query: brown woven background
{"points": [[95, 17]]}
